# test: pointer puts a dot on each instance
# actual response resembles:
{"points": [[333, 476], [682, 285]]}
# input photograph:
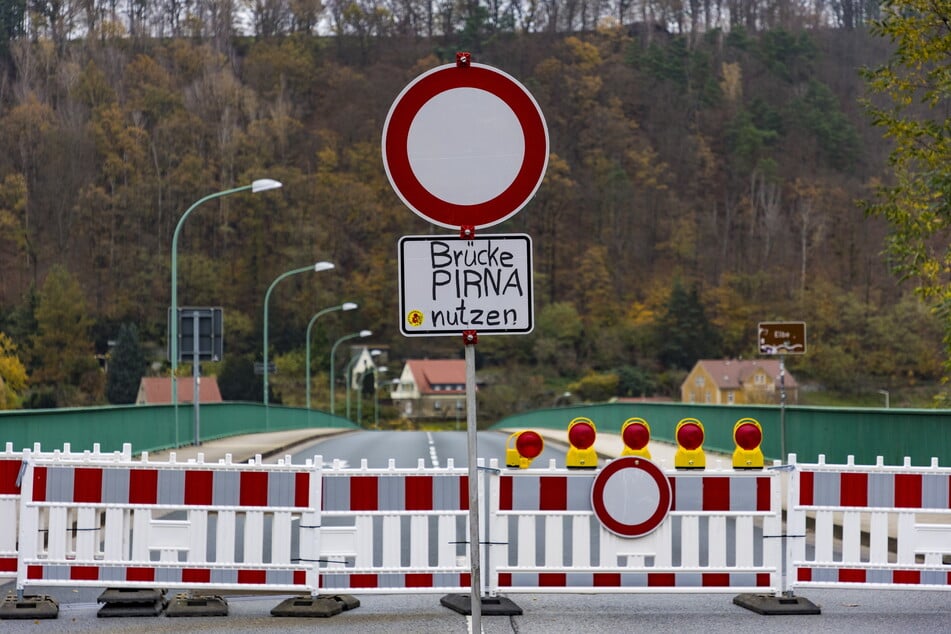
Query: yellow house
{"points": [[736, 381]]}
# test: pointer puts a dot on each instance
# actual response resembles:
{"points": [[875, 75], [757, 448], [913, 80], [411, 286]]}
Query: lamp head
{"points": [[365, 333], [264, 184], [348, 306], [323, 266]]}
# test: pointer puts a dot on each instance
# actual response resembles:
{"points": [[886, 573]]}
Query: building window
{"points": [[707, 397], [730, 398], [699, 381], [759, 378]]}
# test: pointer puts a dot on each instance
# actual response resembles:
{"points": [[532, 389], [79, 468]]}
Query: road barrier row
{"points": [[111, 521]]}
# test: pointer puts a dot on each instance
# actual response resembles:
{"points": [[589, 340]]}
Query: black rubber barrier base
{"points": [[491, 606], [29, 607], [323, 606], [131, 602], [197, 605], [770, 604]]}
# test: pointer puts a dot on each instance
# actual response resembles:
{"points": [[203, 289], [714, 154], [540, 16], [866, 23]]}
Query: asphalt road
{"points": [[860, 611]]}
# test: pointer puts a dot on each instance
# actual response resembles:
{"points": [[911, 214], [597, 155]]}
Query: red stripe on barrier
{"points": [[363, 581], [505, 493], [302, 490], [716, 494], [363, 494], [39, 484], [196, 575], [804, 574], [140, 574], [253, 488], [87, 485], [300, 577], [84, 573], [465, 579], [607, 579], [199, 487], [853, 489], [143, 486], [806, 484], [661, 579], [552, 579], [762, 579], [715, 580], [34, 572], [906, 576], [908, 490], [763, 495], [419, 580], [505, 579], [464, 493], [258, 577], [851, 575], [9, 470], [553, 493], [8, 564], [419, 493]]}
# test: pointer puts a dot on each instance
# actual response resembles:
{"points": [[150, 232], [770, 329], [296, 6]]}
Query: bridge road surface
{"points": [[859, 611]]}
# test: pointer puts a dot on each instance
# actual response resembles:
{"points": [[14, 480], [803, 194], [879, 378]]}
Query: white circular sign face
{"points": [[631, 496], [465, 146], [465, 164]]}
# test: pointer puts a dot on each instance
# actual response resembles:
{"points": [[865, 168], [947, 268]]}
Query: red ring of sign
{"points": [[396, 135], [616, 526]]}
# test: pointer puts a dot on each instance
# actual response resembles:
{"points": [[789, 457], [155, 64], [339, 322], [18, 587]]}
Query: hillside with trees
{"points": [[709, 163]]}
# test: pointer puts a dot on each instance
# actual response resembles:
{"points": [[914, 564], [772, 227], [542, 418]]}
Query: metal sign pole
{"points": [[195, 375], [475, 556], [782, 408]]}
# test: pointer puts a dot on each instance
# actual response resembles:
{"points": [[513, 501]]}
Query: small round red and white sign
{"points": [[631, 496], [465, 145]]}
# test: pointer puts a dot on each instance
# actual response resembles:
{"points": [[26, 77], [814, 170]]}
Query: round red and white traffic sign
{"points": [[631, 496], [465, 146]]}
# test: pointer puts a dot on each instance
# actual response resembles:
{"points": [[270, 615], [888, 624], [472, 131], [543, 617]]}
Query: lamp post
{"points": [[343, 306], [333, 352], [348, 373], [376, 394], [260, 185], [318, 267], [885, 394]]}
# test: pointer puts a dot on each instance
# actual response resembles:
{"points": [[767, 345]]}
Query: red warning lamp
{"points": [[636, 433], [581, 435], [748, 436], [689, 434], [522, 447]]}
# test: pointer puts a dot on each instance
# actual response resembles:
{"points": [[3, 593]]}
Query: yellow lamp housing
{"points": [[748, 436], [690, 435], [636, 433], [522, 447], [581, 453]]}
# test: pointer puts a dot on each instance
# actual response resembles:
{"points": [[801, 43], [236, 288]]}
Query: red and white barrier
{"points": [[546, 538], [134, 524], [394, 530], [874, 505]]}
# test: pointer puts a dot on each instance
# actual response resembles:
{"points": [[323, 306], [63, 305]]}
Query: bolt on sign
{"points": [[787, 337]]}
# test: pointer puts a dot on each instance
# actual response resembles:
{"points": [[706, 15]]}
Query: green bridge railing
{"points": [[151, 427]]}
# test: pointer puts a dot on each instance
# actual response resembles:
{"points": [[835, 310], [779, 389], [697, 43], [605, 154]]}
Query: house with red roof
{"points": [[736, 381], [157, 390], [431, 388]]}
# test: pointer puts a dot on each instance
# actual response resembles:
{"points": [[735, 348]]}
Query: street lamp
{"points": [[885, 394], [260, 185], [333, 352], [317, 268], [376, 394], [343, 306], [348, 372]]}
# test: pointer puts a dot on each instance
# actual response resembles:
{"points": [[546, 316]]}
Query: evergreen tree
{"points": [[127, 365], [237, 381], [684, 335]]}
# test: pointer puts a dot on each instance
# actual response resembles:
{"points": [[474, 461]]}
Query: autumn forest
{"points": [[707, 171]]}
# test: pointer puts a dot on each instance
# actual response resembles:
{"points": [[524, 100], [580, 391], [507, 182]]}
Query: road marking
{"points": [[433, 456]]}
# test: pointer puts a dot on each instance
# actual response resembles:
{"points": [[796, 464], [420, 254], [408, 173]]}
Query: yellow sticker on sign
{"points": [[415, 318]]}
